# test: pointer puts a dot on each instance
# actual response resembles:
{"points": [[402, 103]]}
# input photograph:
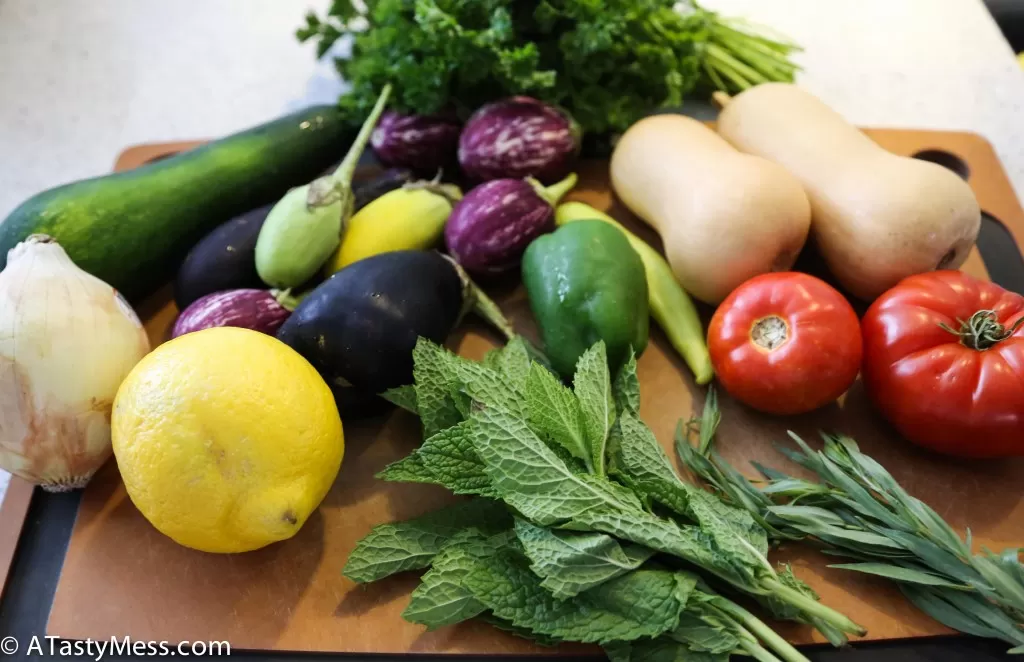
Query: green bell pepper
{"points": [[586, 283]]}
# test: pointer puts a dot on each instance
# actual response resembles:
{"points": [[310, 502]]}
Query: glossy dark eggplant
{"points": [[225, 259], [360, 325], [358, 328]]}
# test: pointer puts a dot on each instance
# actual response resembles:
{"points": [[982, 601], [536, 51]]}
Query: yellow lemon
{"points": [[227, 439]]}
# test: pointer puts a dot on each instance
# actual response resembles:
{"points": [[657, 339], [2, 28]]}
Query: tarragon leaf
{"points": [[555, 413], [900, 574], [531, 478], [648, 471], [432, 373], [592, 386], [402, 396], [626, 389], [413, 544], [571, 562]]}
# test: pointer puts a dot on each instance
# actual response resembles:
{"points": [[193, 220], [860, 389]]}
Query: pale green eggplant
{"points": [[304, 228]]}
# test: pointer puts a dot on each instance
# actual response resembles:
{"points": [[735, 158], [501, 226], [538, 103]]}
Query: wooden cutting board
{"points": [[122, 577]]}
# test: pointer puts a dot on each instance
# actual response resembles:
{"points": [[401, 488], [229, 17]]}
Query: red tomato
{"points": [[785, 343], [944, 362]]}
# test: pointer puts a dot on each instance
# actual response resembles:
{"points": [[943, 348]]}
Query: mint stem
{"points": [[757, 651], [761, 631], [812, 607]]}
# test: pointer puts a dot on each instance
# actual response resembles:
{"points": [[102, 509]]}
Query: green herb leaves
{"points": [[565, 544], [859, 511], [608, 63]]}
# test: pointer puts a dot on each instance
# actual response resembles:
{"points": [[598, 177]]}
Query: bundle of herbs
{"points": [[608, 63], [857, 510], [579, 529]]}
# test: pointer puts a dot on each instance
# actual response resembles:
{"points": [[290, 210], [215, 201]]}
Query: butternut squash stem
{"points": [[721, 99]]}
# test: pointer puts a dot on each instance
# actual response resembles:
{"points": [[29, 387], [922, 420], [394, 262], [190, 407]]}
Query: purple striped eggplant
{"points": [[491, 226], [519, 137], [424, 144], [258, 310]]}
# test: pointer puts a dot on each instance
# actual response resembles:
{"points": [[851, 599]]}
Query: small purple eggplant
{"points": [[491, 226], [258, 310], [422, 143], [519, 137]]}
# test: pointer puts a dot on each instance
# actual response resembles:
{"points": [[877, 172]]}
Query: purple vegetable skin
{"points": [[519, 137], [491, 226], [422, 143], [248, 309]]}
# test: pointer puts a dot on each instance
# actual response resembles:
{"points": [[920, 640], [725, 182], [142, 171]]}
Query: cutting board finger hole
{"points": [[947, 160]]}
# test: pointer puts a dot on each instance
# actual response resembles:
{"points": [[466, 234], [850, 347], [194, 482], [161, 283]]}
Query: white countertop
{"points": [[81, 79]]}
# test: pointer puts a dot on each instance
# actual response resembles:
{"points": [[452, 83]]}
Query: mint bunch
{"points": [[579, 529]]}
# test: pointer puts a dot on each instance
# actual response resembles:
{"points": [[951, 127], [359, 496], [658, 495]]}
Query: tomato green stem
{"points": [[983, 330]]}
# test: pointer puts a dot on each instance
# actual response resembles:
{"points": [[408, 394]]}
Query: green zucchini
{"points": [[132, 229]]}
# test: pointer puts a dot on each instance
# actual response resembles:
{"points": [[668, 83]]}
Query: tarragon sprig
{"points": [[857, 510]]}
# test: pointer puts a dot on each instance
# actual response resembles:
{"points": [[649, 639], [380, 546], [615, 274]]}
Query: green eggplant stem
{"points": [[554, 193], [347, 170]]}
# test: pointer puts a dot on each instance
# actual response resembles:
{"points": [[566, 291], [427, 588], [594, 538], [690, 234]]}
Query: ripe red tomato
{"points": [[785, 343], [944, 362]]}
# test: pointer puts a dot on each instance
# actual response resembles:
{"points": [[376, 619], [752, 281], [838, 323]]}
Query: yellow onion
{"points": [[67, 341]]}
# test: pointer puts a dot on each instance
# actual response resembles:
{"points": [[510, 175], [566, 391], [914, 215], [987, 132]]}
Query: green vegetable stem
{"points": [[304, 228], [670, 305], [857, 510], [608, 63], [561, 540], [585, 283]]}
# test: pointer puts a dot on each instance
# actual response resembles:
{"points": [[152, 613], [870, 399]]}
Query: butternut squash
{"points": [[877, 217], [723, 216]]}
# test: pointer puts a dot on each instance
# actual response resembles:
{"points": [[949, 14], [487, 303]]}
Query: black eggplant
{"points": [[358, 328], [225, 259]]}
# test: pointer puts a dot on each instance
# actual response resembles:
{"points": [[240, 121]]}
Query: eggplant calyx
{"points": [[322, 192], [449, 192], [288, 299], [476, 300], [554, 193]]}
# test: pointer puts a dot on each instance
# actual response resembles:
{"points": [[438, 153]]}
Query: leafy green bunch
{"points": [[608, 63], [857, 510], [579, 529]]}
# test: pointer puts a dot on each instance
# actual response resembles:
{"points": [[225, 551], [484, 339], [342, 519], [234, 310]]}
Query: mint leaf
{"points": [[432, 373], [664, 649], [618, 651], [513, 362], [705, 634], [626, 388], [531, 478], [647, 469], [409, 469], [592, 386], [410, 545], [642, 603], [525, 633], [571, 562], [486, 386], [449, 456], [402, 396], [663, 535], [555, 413], [442, 598]]}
